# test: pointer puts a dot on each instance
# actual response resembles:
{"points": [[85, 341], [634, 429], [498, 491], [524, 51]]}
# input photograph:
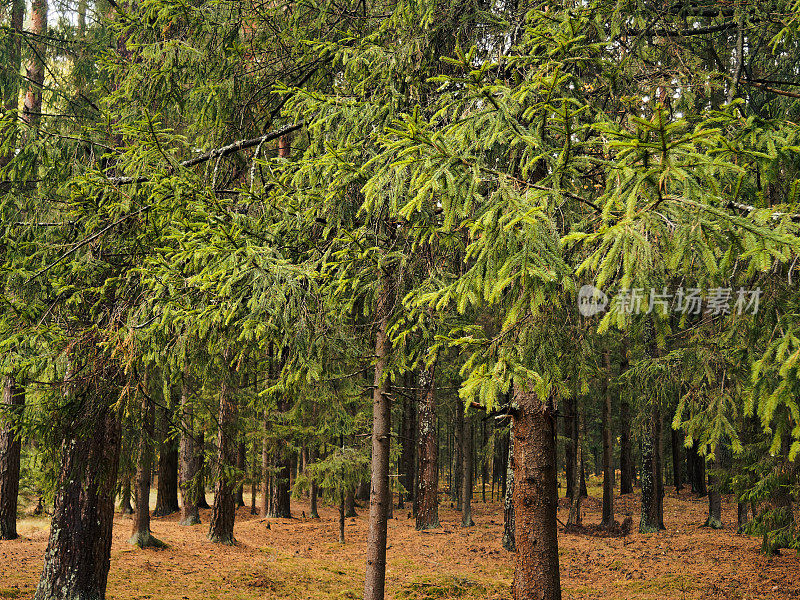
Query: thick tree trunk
{"points": [[427, 496], [190, 515], [509, 523], [350, 503], [608, 447], [280, 502], [140, 532], [13, 403], [77, 558], [466, 489], [167, 490], [223, 512], [652, 519], [536, 573], [677, 461], [375, 577], [125, 507], [714, 519]]}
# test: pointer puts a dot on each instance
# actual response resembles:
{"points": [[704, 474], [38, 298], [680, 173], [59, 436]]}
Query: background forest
{"points": [[335, 248]]}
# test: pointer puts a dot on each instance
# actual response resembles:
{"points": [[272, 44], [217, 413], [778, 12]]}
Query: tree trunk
{"points": [[408, 440], [742, 516], [125, 507], [509, 525], [13, 64], [32, 110], [350, 503], [484, 463], [458, 460], [677, 461], [574, 517], [466, 489], [536, 573], [652, 519], [202, 471], [255, 471], [375, 576], [341, 516], [77, 558], [190, 515], [140, 532], [241, 463], [608, 447], [13, 401], [714, 519], [314, 491], [625, 448], [427, 496], [266, 463], [223, 512], [569, 444], [167, 490]]}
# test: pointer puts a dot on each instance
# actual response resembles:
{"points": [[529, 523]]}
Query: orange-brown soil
{"points": [[301, 559]]}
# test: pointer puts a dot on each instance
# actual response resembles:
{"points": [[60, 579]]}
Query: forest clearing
{"points": [[301, 558]]}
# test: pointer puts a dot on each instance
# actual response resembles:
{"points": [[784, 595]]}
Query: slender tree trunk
{"points": [[569, 443], [167, 490], [677, 461], [223, 512], [714, 519], [255, 472], [625, 447], [536, 572], [509, 524], [140, 533], [458, 460], [13, 65], [32, 109], [742, 516], [608, 446], [241, 463], [466, 490], [408, 440], [266, 463], [350, 503], [314, 491], [13, 403], [190, 515], [375, 577], [484, 462], [77, 558], [341, 516], [202, 471], [427, 496], [574, 517]]}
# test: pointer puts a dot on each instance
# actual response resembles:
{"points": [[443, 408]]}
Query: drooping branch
{"points": [[216, 153]]}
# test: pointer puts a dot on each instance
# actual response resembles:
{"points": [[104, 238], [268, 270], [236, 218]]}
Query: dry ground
{"points": [[300, 559]]}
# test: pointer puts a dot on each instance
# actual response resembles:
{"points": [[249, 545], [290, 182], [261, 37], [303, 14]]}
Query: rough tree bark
{"points": [[77, 558], [466, 488], [167, 488], [32, 109], [125, 506], [223, 512], [375, 576], [427, 496], [458, 460], [241, 461], [13, 403], [190, 514], [574, 516], [714, 519], [408, 443], [536, 573], [350, 503], [652, 519]]}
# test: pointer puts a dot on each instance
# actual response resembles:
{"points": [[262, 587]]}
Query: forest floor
{"points": [[300, 558]]}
